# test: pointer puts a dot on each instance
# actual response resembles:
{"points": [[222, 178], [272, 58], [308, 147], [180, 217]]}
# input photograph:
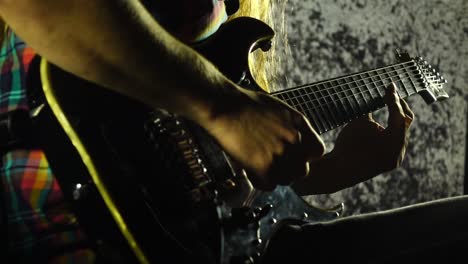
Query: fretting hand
{"points": [[371, 148]]}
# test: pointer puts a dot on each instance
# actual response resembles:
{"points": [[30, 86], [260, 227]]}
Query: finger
{"points": [[396, 114], [364, 122], [409, 119], [409, 114], [311, 143], [374, 123], [293, 164], [290, 166], [364, 118], [368, 116]]}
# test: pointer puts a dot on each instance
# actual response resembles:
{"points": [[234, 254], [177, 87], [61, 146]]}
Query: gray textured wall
{"points": [[331, 38]]}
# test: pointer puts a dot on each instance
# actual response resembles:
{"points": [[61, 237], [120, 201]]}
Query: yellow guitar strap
{"points": [[86, 158]]}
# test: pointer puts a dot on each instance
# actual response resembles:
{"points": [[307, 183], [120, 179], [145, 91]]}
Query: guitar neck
{"points": [[335, 102]]}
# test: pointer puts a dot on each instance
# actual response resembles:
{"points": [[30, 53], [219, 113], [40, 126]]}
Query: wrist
{"points": [[209, 101]]}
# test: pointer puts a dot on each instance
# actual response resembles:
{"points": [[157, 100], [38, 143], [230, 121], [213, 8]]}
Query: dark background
{"points": [[332, 38]]}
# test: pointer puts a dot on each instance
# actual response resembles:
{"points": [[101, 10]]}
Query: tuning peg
{"points": [[397, 52], [425, 62], [402, 54]]}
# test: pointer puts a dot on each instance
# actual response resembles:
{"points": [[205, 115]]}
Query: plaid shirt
{"points": [[40, 222], [38, 216]]}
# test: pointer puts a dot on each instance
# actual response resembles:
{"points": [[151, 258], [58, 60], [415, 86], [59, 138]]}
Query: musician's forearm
{"points": [[118, 45], [330, 174]]}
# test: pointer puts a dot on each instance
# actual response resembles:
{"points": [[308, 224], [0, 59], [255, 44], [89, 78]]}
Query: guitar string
{"points": [[364, 96], [353, 95], [396, 68], [319, 120], [349, 76], [347, 87], [309, 112], [323, 118], [334, 102], [361, 92], [368, 91]]}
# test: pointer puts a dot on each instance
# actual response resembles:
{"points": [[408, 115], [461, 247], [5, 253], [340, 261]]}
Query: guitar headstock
{"points": [[433, 83], [430, 84]]}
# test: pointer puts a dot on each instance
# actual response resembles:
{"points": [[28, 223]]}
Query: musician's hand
{"points": [[369, 147], [271, 140]]}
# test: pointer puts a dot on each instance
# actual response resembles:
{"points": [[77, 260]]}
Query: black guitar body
{"points": [[160, 190]]}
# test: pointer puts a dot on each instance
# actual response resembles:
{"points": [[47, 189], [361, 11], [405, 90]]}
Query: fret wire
{"points": [[311, 113], [346, 97], [363, 94], [348, 87], [308, 112], [392, 80], [382, 83], [303, 96], [322, 101], [321, 113], [340, 117], [367, 92], [394, 77], [350, 100], [387, 76], [298, 103], [411, 80], [311, 110], [401, 85], [375, 101], [370, 90], [413, 84], [284, 99], [401, 88], [355, 98], [344, 111], [329, 104], [341, 106], [404, 86]]}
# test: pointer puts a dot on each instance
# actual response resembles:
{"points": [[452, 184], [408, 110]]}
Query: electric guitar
{"points": [[152, 187]]}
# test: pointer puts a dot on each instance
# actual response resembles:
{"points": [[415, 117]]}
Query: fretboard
{"points": [[332, 103]]}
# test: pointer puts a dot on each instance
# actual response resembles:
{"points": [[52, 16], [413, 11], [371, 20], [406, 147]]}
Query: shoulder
{"points": [[189, 20]]}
